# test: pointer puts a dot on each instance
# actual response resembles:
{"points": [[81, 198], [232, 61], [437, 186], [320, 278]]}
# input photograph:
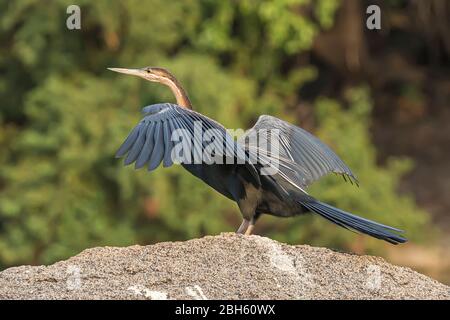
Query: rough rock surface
{"points": [[227, 266]]}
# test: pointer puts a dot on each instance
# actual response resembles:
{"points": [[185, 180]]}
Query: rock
{"points": [[227, 266]]}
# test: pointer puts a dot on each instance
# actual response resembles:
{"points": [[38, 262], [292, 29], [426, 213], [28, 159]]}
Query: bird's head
{"points": [[160, 75], [153, 74]]}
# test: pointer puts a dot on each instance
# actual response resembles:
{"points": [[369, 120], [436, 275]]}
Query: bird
{"points": [[263, 173]]}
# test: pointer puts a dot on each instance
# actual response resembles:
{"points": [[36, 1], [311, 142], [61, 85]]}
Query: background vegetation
{"points": [[63, 115]]}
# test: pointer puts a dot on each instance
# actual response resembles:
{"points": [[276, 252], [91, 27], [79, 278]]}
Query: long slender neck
{"points": [[178, 91]]}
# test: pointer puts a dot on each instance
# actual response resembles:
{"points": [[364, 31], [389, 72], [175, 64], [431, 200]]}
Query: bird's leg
{"points": [[243, 227], [250, 228]]}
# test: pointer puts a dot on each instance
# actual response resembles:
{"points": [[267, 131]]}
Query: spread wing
{"points": [[306, 158], [166, 125]]}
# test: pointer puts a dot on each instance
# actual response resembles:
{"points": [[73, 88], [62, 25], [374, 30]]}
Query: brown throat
{"points": [[180, 94]]}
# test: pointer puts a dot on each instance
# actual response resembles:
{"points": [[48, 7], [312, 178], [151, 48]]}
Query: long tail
{"points": [[353, 222]]}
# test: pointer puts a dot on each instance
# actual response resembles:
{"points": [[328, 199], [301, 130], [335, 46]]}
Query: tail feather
{"points": [[355, 223]]}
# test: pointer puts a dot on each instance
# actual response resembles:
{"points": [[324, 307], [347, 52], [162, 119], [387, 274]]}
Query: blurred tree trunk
{"points": [[344, 46]]}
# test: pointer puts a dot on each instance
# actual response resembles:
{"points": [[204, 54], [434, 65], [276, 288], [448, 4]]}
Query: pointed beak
{"points": [[133, 72]]}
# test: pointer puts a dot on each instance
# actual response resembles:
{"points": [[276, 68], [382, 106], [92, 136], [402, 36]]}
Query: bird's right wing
{"points": [[307, 157]]}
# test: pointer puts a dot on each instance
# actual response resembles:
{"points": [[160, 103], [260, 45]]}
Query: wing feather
{"points": [[137, 146], [147, 148], [150, 142], [299, 147], [158, 149], [168, 143], [129, 141]]}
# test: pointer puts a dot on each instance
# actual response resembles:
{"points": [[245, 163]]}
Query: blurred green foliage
{"points": [[63, 115]]}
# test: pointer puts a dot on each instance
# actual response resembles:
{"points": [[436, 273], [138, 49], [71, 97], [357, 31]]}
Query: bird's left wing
{"points": [[154, 138], [307, 157]]}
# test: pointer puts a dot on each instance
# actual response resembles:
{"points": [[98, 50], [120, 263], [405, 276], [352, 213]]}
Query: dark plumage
{"points": [[298, 157]]}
